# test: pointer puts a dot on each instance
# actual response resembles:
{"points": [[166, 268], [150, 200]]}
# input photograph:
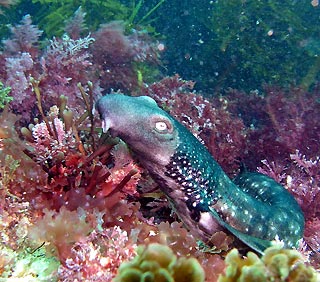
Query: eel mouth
{"points": [[106, 124]]}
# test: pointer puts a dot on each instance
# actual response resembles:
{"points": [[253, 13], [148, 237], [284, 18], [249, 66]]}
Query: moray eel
{"points": [[253, 207]]}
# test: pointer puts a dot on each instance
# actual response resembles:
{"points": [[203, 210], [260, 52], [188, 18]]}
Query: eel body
{"points": [[253, 207]]}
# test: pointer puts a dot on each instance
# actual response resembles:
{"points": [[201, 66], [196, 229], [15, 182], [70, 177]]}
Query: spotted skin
{"points": [[254, 207]]}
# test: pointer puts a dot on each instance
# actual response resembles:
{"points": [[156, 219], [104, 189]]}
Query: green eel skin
{"points": [[253, 207]]}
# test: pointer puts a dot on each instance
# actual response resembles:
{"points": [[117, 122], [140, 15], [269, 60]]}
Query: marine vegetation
{"points": [[157, 262], [276, 264], [4, 95], [77, 205], [52, 16], [242, 44]]}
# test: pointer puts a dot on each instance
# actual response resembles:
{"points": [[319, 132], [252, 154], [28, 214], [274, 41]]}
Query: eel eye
{"points": [[161, 126]]}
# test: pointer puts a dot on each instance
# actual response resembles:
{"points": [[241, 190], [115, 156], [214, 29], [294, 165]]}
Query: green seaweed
{"points": [[51, 16], [150, 12], [243, 44], [4, 95], [265, 42], [144, 20]]}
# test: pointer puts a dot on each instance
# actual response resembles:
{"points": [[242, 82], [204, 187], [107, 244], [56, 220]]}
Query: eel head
{"points": [[142, 124]]}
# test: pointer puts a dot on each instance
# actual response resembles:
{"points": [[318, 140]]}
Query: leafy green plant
{"points": [[4, 95]]}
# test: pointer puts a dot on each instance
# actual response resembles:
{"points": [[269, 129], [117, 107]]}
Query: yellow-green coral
{"points": [[158, 263], [276, 264]]}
